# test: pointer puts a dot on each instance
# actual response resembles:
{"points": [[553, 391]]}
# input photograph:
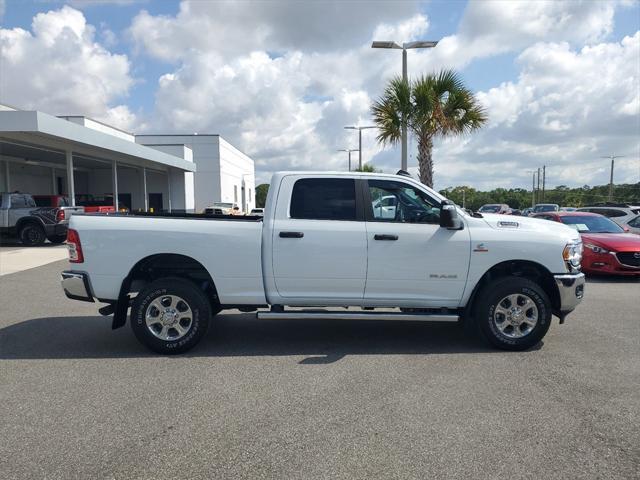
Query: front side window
{"points": [[18, 201], [400, 202], [324, 199]]}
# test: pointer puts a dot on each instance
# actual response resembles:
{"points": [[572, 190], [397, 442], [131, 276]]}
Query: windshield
{"points": [[223, 205], [489, 208], [545, 208], [591, 224]]}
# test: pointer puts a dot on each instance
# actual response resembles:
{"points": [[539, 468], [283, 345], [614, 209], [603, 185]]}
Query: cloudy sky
{"points": [[560, 80]]}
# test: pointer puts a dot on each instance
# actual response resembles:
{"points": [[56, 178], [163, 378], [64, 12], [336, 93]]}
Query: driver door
{"points": [[412, 261]]}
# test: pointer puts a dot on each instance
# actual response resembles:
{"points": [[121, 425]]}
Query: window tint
{"points": [[635, 223], [614, 213], [18, 201], [400, 202], [324, 199]]}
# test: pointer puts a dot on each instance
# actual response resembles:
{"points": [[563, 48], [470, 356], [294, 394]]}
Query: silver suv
{"points": [[620, 213]]}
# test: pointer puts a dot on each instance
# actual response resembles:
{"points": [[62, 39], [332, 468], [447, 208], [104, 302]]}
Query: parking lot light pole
{"points": [[348, 150], [533, 188], [404, 47], [353, 127]]}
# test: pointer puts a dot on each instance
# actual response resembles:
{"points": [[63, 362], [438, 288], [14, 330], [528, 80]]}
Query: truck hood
{"points": [[528, 224]]}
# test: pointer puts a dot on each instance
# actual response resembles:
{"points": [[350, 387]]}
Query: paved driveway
{"points": [[302, 399]]}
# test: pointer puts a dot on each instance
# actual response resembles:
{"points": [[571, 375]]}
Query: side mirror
{"points": [[449, 216], [626, 229]]}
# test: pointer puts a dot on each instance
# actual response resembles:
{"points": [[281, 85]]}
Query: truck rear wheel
{"points": [[57, 238], [513, 313], [32, 235], [170, 315]]}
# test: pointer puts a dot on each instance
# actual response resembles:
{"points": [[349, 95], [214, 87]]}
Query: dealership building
{"points": [[43, 154]]}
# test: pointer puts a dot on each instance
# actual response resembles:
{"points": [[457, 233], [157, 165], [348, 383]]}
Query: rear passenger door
{"points": [[319, 241]]}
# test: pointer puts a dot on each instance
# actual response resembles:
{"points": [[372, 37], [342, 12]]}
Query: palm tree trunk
{"points": [[425, 161]]}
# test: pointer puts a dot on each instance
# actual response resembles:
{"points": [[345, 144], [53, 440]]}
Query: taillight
{"points": [[60, 216], [75, 248]]}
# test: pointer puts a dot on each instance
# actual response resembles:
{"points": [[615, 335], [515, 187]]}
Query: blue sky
{"points": [[246, 70]]}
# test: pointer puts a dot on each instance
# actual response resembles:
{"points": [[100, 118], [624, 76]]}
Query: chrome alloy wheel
{"points": [[516, 315], [169, 317]]}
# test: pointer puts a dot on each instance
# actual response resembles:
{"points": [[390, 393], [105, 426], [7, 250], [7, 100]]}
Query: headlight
{"points": [[596, 248], [572, 254]]}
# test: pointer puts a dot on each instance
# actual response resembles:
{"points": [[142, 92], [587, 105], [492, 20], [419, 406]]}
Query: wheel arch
{"points": [[533, 271], [160, 265]]}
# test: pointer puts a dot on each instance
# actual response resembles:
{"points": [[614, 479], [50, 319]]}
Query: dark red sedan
{"points": [[607, 247]]}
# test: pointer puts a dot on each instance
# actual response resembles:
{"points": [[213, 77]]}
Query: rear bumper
{"points": [[76, 285], [571, 290]]}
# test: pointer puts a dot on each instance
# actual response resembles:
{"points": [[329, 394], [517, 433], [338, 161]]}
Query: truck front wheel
{"points": [[513, 313], [170, 315]]}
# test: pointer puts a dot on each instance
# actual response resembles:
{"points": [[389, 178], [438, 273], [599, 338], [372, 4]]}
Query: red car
{"points": [[608, 248]]}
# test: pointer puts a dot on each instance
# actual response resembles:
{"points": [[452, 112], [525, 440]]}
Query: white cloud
{"points": [[567, 109], [59, 68]]}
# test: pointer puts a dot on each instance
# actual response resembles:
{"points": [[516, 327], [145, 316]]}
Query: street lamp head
{"points": [[420, 44], [351, 127], [385, 44]]}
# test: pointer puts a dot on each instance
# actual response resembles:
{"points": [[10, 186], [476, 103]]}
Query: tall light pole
{"points": [[404, 47], [612, 157], [353, 127], [348, 150]]}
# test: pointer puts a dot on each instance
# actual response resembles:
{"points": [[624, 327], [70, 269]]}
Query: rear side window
{"points": [[42, 201], [324, 199], [18, 201], [614, 213]]}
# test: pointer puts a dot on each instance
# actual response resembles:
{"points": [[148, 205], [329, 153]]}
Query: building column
{"points": [[114, 175], [71, 186], [169, 187], [53, 181], [7, 183], [145, 203]]}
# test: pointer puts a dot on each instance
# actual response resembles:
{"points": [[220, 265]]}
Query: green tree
{"points": [[367, 167], [437, 105], [261, 194]]}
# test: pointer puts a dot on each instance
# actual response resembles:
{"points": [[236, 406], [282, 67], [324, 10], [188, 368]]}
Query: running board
{"points": [[308, 315]]}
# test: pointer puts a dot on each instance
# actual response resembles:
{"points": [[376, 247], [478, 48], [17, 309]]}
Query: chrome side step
{"points": [[327, 315]]}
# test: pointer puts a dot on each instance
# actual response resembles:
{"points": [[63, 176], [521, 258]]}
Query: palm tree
{"points": [[431, 106]]}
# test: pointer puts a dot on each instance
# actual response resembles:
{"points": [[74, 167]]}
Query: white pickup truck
{"points": [[321, 243]]}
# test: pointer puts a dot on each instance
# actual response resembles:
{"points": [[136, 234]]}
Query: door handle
{"points": [[291, 234], [378, 236]]}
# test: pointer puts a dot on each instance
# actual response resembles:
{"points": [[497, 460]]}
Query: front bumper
{"points": [[76, 285], [571, 290]]}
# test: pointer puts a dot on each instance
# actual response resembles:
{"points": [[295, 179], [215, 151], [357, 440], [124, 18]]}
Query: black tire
{"points": [[161, 289], [487, 313], [57, 238], [32, 235]]}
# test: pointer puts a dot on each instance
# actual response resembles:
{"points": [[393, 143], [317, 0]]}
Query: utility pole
{"points": [[612, 157], [538, 184], [533, 187], [464, 191], [544, 179]]}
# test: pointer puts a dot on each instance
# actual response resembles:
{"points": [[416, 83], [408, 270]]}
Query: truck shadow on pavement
{"points": [[240, 335]]}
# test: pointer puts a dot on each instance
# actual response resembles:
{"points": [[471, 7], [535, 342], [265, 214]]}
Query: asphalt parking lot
{"points": [[314, 399]]}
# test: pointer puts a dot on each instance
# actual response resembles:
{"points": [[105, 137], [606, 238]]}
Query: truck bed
{"points": [[199, 216]]}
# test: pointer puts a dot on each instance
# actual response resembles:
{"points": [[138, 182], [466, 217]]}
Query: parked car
{"points": [[527, 211], [322, 244], [58, 201], [501, 208], [20, 217], [546, 207], [634, 225], [568, 209], [619, 213], [607, 247], [516, 211], [258, 212], [95, 204], [221, 208]]}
